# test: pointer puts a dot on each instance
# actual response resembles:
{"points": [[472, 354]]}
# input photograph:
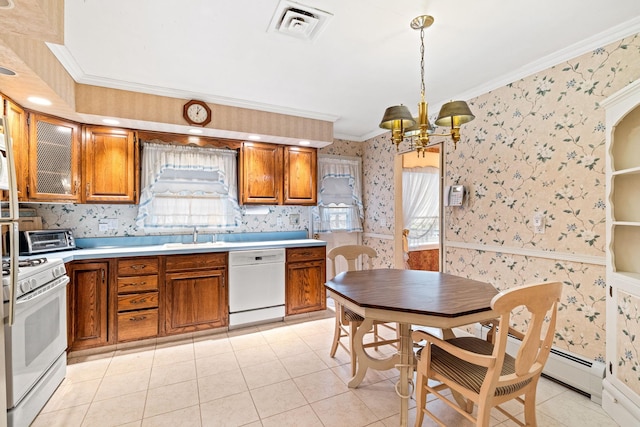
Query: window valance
{"points": [[186, 187]]}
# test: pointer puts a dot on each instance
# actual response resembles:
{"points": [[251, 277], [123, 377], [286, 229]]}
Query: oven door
{"points": [[37, 338]]}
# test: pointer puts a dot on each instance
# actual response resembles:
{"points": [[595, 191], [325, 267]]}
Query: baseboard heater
{"points": [[576, 372]]}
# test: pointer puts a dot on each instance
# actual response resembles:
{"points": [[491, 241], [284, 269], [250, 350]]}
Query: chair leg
{"points": [[336, 333], [530, 406], [421, 397], [484, 414]]}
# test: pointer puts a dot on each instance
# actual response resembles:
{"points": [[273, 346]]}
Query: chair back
{"points": [[351, 253], [540, 302]]}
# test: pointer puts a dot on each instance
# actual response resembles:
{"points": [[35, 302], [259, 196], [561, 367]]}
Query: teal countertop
{"points": [[176, 247]]}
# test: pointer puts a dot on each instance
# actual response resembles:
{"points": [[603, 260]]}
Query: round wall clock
{"points": [[197, 113]]}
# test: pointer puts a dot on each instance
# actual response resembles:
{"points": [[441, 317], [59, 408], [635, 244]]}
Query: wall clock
{"points": [[197, 113]]}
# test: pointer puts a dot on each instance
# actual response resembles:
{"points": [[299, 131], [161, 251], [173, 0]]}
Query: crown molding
{"points": [[77, 73]]}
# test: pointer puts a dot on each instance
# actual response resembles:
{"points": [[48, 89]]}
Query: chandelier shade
{"points": [[397, 116], [453, 114]]}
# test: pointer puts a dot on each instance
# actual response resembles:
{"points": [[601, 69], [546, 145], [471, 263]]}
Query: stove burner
{"points": [[6, 264]]}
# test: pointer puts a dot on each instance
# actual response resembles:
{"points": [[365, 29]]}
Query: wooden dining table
{"points": [[408, 297]]}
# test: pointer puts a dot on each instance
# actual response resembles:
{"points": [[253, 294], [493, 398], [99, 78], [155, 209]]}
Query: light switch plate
{"points": [[538, 223]]}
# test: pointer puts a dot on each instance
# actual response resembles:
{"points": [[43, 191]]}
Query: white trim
{"points": [[601, 39], [378, 236], [537, 253], [623, 94]]}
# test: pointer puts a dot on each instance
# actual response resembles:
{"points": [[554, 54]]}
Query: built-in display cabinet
{"points": [[53, 159], [621, 394]]}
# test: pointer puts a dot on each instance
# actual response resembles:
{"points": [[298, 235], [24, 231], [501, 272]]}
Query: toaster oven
{"points": [[41, 241]]}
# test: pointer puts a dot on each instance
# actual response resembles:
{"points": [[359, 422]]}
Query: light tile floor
{"points": [[276, 375]]}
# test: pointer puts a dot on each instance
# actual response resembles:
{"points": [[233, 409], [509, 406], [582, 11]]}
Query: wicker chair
{"points": [[347, 321], [481, 371]]}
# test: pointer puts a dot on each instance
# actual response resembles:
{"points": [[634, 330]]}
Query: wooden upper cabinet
{"points": [[54, 160], [109, 171], [300, 171], [261, 173], [17, 119], [272, 174]]}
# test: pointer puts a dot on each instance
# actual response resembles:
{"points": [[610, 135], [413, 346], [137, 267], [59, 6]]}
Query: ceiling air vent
{"points": [[298, 20]]}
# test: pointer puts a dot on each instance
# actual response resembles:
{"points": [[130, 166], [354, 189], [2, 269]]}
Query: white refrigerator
{"points": [[9, 224]]}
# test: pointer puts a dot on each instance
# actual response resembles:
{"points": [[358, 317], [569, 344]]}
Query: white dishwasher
{"points": [[256, 286]]}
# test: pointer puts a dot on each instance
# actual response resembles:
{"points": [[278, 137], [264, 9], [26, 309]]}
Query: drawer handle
{"points": [[139, 266], [134, 283], [140, 301], [137, 318]]}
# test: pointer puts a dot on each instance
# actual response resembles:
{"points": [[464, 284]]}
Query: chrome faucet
{"points": [[195, 235]]}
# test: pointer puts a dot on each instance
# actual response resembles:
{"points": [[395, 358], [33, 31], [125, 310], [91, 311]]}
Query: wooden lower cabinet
{"points": [[138, 298], [306, 275], [196, 293], [126, 299], [134, 325], [87, 324]]}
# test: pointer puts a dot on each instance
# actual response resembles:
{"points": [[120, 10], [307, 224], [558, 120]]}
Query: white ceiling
{"points": [[366, 58]]}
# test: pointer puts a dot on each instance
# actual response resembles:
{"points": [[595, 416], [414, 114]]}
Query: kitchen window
{"points": [[185, 187], [339, 195]]}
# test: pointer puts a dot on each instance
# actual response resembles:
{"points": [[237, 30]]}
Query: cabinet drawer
{"points": [[137, 324], [306, 254], [190, 262], [137, 301], [137, 284], [137, 266]]}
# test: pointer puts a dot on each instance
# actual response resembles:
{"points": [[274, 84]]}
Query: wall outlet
{"points": [[294, 219], [107, 224], [279, 221]]}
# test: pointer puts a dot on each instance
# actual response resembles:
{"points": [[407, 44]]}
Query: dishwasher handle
{"points": [[256, 257]]}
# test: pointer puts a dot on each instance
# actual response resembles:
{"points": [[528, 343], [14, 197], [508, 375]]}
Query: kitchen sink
{"points": [[195, 245]]}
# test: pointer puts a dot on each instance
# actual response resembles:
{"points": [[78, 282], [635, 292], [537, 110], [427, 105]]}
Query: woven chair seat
{"points": [[467, 374], [350, 316]]}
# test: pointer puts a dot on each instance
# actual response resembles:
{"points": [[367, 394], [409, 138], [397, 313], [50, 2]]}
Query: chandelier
{"points": [[417, 129]]}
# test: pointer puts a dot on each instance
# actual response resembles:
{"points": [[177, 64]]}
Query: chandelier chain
{"points": [[422, 88]]}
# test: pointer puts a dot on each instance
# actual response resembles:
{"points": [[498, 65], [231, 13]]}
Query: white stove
{"points": [[39, 274], [36, 343]]}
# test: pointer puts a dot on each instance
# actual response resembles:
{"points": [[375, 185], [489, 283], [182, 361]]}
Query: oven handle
{"points": [[40, 293]]}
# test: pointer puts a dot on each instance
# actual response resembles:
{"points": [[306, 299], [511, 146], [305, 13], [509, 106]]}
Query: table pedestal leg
{"points": [[363, 359]]}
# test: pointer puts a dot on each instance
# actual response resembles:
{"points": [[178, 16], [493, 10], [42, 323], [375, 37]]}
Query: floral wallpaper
{"points": [[84, 220], [537, 145], [628, 351]]}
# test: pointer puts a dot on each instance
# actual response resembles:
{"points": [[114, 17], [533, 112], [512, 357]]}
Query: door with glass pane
{"points": [[421, 189], [54, 160]]}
